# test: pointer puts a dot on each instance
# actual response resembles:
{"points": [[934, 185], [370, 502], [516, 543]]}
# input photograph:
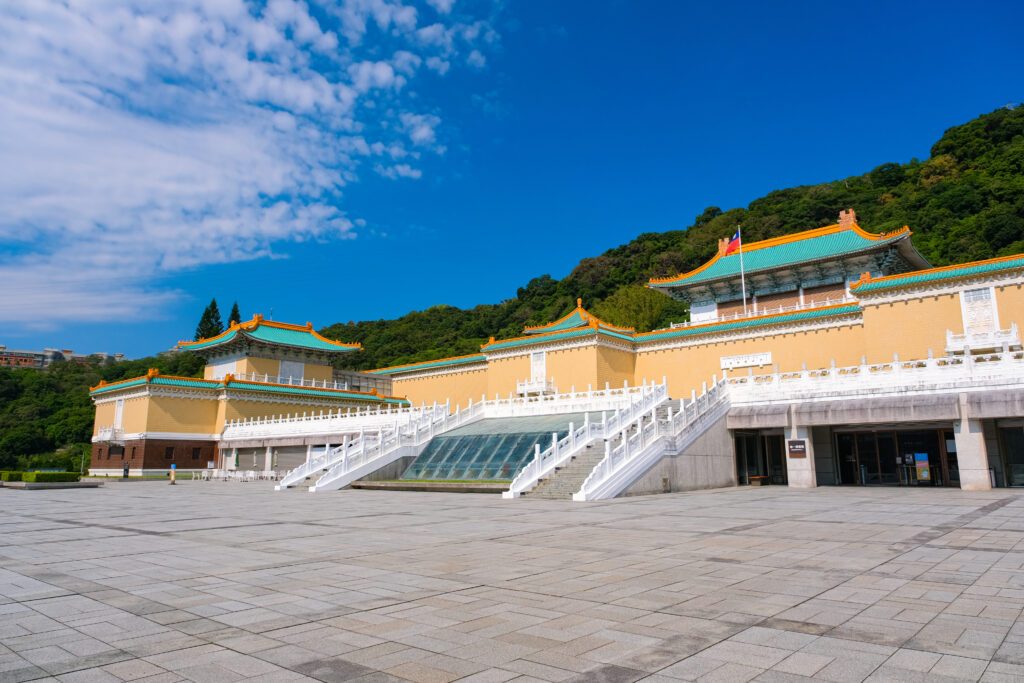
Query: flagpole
{"points": [[743, 279]]}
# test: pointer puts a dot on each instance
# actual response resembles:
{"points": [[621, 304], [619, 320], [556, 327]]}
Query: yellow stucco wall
{"points": [[687, 368], [260, 366], [504, 373], [910, 328], [570, 368], [615, 366], [185, 415], [1010, 304], [457, 387], [319, 372], [104, 417], [235, 409], [135, 415]]}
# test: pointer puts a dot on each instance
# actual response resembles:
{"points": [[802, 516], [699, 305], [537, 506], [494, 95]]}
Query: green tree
{"points": [[209, 324], [235, 316], [632, 306]]}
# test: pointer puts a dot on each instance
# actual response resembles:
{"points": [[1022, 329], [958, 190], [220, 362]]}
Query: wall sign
{"points": [[797, 448], [746, 360]]}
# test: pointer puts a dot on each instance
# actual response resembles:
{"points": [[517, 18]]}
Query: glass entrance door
{"points": [[898, 458], [1013, 442], [749, 463], [777, 471]]}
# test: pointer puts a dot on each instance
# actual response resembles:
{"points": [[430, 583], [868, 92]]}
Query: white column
{"points": [[971, 453], [800, 471], [268, 459]]}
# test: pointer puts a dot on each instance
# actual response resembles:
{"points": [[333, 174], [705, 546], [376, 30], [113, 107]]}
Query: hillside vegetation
{"points": [[964, 203]]}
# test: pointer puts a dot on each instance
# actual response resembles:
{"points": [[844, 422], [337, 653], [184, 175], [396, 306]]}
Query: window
{"points": [[195, 453], [133, 452], [169, 453], [978, 311], [538, 371], [99, 453], [293, 369]]}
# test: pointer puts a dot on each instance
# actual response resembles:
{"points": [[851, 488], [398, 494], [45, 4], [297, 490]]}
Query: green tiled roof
{"points": [[568, 334], [277, 335], [311, 391], [215, 341], [249, 386], [444, 362], [271, 334], [940, 274], [573, 320], [750, 322], [159, 381], [838, 243]]}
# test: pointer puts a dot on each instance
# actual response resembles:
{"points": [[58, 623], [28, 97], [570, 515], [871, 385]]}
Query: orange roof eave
{"points": [[584, 313], [667, 330], [785, 239], [257, 320], [421, 362], [938, 269]]}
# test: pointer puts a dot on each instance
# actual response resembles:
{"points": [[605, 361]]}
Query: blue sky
{"points": [[335, 161]]}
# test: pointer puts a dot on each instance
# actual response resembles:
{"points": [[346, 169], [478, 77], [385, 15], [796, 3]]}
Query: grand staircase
{"points": [[566, 480]]}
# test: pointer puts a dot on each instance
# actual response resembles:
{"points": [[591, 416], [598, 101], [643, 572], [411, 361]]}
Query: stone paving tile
{"points": [[732, 585]]}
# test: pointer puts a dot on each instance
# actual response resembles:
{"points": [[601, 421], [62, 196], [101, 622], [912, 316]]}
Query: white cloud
{"points": [[476, 59], [442, 6], [420, 128], [439, 65], [398, 171], [140, 139]]}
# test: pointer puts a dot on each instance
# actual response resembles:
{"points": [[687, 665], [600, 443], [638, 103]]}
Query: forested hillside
{"points": [[42, 411], [965, 202]]}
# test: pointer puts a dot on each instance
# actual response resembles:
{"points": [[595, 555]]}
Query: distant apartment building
{"points": [[14, 358]]}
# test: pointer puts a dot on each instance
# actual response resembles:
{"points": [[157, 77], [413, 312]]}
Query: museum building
{"points": [[829, 356]]}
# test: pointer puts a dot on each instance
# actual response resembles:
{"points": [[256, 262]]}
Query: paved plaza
{"points": [[228, 581]]}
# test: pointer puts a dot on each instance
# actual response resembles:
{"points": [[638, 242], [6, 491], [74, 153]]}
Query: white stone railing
{"points": [[374, 451], [291, 381], [338, 422], [562, 450], [646, 439], [331, 422], [993, 339], [535, 386], [950, 373], [767, 310], [425, 421], [390, 430], [109, 433]]}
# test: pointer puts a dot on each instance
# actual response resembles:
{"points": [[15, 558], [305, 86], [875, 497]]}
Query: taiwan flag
{"points": [[734, 243]]}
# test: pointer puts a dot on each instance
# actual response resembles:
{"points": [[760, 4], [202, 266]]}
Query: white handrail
{"points": [[290, 381], [775, 310], [962, 373], [560, 451], [352, 464], [337, 422], [644, 437]]}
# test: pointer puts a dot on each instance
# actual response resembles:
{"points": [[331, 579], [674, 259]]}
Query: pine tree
{"points": [[235, 316], [210, 324]]}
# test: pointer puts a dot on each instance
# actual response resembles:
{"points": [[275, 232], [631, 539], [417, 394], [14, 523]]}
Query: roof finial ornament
{"points": [[579, 303], [847, 219]]}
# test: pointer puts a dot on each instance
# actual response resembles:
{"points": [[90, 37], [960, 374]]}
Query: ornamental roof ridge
{"points": [[847, 224], [249, 327], [753, 321], [866, 283], [584, 318], [151, 374], [439, 361]]}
